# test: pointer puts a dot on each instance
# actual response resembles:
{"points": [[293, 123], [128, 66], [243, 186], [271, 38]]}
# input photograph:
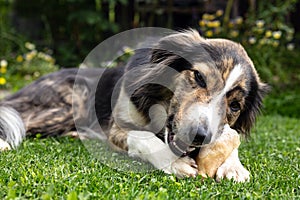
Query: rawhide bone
{"points": [[211, 156]]}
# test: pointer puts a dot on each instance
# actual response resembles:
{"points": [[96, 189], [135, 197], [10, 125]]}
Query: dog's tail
{"points": [[12, 128]]}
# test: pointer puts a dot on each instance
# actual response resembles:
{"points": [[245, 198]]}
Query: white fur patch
{"points": [[147, 146], [233, 77], [232, 168], [4, 145], [12, 128]]}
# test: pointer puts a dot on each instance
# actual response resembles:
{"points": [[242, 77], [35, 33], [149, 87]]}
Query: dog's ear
{"points": [[253, 105], [177, 50]]}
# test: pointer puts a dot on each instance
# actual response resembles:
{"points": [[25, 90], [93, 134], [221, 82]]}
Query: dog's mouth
{"points": [[179, 147]]}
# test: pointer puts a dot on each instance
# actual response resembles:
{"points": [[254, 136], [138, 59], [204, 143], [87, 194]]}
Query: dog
{"points": [[162, 106]]}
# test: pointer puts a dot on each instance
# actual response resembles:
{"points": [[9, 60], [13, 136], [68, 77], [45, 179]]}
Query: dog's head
{"points": [[216, 84]]}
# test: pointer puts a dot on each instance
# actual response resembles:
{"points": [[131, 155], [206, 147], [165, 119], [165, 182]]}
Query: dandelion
{"points": [[252, 40], [234, 33], [239, 20], [219, 13], [208, 17], [209, 33], [202, 23], [29, 46], [3, 70], [277, 35], [275, 43], [29, 56], [290, 46], [260, 23], [268, 34], [214, 24], [263, 41], [3, 63], [259, 30], [19, 58], [2, 81]]}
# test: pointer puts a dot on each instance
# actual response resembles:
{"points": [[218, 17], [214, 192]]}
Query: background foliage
{"points": [[39, 37]]}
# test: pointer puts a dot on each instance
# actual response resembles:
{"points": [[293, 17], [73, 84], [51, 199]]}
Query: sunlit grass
{"points": [[63, 168]]}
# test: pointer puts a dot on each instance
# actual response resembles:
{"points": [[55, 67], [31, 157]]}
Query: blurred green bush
{"points": [[72, 28]]}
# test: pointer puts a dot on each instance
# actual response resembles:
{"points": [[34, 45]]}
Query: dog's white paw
{"points": [[4, 145], [235, 171], [184, 167]]}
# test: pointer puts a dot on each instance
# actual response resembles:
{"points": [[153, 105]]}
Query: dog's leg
{"points": [[147, 146], [232, 168]]}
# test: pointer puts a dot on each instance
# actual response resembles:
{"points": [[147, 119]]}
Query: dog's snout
{"points": [[200, 135]]}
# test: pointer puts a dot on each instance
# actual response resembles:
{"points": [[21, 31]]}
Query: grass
{"points": [[61, 168]]}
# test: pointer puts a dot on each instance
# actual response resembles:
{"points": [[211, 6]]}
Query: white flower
{"points": [[260, 23], [29, 46], [277, 34], [3, 63], [291, 46], [252, 40]]}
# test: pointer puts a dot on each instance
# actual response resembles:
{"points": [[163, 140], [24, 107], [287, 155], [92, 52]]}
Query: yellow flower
{"points": [[214, 24], [3, 70], [219, 13], [268, 33], [263, 41], [275, 43], [202, 23], [209, 33], [260, 23], [19, 58], [208, 17], [239, 20], [3, 63], [234, 33], [29, 56], [29, 46], [230, 24], [2, 81], [259, 30], [277, 35]]}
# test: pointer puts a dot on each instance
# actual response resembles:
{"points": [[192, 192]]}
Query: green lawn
{"points": [[63, 169]]}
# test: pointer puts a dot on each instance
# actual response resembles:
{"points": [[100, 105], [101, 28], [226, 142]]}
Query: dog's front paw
{"points": [[4, 145], [184, 167], [235, 171]]}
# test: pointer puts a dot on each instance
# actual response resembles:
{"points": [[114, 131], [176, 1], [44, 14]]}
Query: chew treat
{"points": [[212, 155]]}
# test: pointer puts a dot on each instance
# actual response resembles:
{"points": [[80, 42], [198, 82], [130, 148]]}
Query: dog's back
{"points": [[50, 105]]}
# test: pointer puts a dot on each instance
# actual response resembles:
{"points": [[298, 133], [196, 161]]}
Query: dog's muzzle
{"points": [[196, 138]]}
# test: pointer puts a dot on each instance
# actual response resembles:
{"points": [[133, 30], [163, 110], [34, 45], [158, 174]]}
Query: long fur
{"points": [[45, 106], [12, 129]]}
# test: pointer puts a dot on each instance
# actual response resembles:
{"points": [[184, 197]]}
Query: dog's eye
{"points": [[199, 79], [235, 106]]}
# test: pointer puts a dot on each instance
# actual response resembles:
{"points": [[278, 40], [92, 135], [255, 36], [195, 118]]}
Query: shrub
{"points": [[18, 70]]}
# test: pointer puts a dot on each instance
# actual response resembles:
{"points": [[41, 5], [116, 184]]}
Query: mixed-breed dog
{"points": [[181, 94]]}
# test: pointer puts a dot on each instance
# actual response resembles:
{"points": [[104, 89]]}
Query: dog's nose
{"points": [[200, 135]]}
